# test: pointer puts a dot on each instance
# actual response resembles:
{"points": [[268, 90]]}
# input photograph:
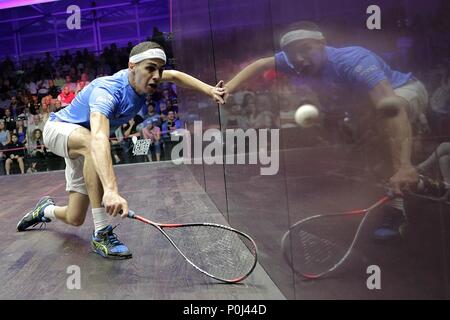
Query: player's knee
{"points": [[76, 222], [76, 218]]}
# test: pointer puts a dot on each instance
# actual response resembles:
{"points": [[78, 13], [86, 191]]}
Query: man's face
{"points": [[7, 112], [146, 75], [2, 125], [68, 79], [84, 77], [171, 115], [306, 56], [66, 90], [150, 109]]}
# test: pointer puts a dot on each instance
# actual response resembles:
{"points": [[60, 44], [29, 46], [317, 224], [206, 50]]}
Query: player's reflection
{"points": [[397, 100]]}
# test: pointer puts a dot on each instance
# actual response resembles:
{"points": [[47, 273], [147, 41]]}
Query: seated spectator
{"points": [[43, 87], [58, 106], [36, 149], [4, 140], [36, 123], [151, 131], [34, 105], [53, 89], [4, 103], [151, 114], [83, 82], [21, 131], [233, 118], [66, 96], [170, 125], [16, 106], [71, 85], [59, 81], [4, 135], [14, 155], [8, 119]]}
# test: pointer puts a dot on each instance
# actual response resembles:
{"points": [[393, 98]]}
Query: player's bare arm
{"points": [[248, 72], [186, 81], [396, 125], [100, 150]]}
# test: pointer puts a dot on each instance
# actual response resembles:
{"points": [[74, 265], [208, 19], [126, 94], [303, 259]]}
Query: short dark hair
{"points": [[144, 46]]}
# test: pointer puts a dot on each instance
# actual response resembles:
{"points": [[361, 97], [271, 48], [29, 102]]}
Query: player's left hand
{"points": [[218, 92], [403, 178]]}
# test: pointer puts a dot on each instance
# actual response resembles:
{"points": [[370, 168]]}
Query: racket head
{"points": [[315, 245], [319, 244]]}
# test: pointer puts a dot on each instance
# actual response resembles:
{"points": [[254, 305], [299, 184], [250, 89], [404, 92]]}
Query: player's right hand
{"points": [[115, 204]]}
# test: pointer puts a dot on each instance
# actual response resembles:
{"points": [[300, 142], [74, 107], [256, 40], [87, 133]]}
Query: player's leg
{"points": [[86, 179]]}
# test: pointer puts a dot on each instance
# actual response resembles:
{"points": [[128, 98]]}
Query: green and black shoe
{"points": [[36, 216]]}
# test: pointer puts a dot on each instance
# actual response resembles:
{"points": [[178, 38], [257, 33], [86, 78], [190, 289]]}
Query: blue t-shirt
{"points": [[353, 66], [112, 96]]}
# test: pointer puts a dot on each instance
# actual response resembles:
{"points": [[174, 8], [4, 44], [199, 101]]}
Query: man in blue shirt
{"points": [[397, 98], [80, 134]]}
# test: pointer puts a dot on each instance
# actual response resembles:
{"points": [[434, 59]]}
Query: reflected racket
{"points": [[320, 244]]}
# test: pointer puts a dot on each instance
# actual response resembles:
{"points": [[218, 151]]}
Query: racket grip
{"points": [[131, 214]]}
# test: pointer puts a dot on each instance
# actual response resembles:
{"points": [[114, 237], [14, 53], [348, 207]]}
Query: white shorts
{"points": [[416, 94], [56, 138]]}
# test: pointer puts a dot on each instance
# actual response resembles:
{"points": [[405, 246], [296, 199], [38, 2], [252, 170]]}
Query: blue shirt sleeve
{"points": [[102, 101], [282, 63], [367, 71]]}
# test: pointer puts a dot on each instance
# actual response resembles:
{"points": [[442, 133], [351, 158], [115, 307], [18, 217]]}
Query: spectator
{"points": [[151, 132], [16, 106], [8, 119], [4, 103], [84, 81], [170, 125], [59, 81], [58, 106], [52, 89], [35, 105], [36, 149], [233, 118], [21, 131], [37, 123], [4, 135], [4, 140], [71, 85], [31, 86], [151, 114], [43, 87], [16, 154], [66, 96]]}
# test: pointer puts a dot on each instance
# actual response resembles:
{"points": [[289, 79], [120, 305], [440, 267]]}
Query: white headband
{"points": [[154, 53], [300, 35]]}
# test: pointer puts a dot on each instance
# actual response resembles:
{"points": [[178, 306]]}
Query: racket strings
{"points": [[318, 245], [220, 252]]}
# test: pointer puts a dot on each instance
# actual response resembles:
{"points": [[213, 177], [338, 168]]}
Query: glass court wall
{"points": [[340, 164]]}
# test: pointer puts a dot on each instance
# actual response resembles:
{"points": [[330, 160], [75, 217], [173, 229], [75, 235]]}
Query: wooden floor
{"points": [[34, 264]]}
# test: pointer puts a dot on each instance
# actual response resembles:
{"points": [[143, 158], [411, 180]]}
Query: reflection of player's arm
{"points": [[100, 151], [249, 71], [395, 122], [186, 81]]}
